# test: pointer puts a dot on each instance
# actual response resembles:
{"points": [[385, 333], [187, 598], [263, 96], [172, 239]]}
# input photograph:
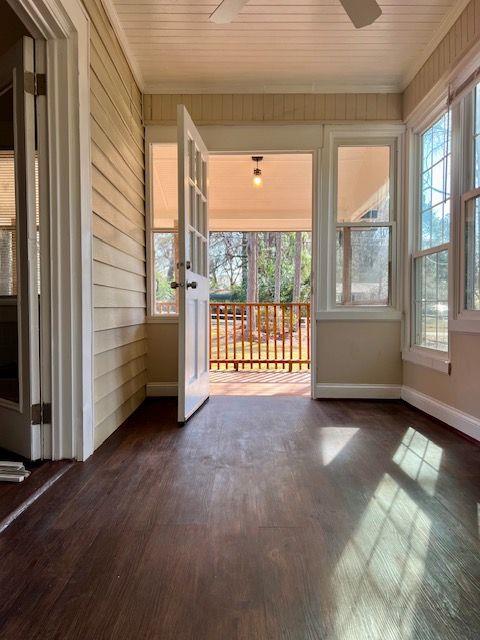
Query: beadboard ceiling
{"points": [[277, 45]]}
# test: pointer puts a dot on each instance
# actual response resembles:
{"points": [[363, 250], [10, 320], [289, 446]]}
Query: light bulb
{"points": [[257, 181]]}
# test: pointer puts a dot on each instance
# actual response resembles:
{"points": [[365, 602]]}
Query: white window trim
{"points": [[411, 352], [463, 320], [152, 317], [367, 135]]}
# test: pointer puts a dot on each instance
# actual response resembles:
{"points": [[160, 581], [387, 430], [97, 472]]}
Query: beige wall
{"points": [[290, 107], [461, 389], [359, 352], [464, 33], [162, 358], [118, 229]]}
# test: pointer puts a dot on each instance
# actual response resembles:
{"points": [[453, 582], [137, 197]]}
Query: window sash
{"points": [[421, 302], [347, 298]]}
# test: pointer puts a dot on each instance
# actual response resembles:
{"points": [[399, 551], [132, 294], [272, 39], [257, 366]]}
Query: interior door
{"points": [[193, 277], [19, 331]]}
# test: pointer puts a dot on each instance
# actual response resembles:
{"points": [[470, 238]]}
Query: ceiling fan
{"points": [[361, 12]]}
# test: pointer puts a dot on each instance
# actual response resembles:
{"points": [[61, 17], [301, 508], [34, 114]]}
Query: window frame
{"points": [[412, 352], [150, 229], [463, 319], [417, 252], [378, 135]]}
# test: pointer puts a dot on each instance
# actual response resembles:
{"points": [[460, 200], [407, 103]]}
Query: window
{"points": [[163, 229], [430, 257], [471, 214], [364, 226]]}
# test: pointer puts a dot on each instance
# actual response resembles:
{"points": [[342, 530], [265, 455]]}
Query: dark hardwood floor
{"points": [[263, 518]]}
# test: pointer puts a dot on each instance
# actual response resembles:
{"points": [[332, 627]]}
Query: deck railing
{"points": [[260, 336]]}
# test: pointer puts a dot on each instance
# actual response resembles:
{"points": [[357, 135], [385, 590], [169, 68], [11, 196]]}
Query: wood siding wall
{"points": [[464, 33], [118, 203], [289, 107]]}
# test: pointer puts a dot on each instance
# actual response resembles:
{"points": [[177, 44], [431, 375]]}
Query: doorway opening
{"points": [[260, 258], [260, 267]]}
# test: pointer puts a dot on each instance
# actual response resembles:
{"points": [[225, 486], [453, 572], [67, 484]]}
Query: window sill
{"points": [[380, 314], [173, 319], [428, 358]]}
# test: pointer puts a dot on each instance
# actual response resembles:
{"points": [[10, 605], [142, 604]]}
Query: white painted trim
{"points": [[463, 422], [428, 358], [358, 134], [446, 24], [162, 389], [358, 391], [385, 314], [196, 88], [65, 26], [124, 44]]}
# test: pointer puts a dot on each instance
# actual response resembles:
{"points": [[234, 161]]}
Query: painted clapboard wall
{"points": [[118, 203], [288, 107], [456, 43]]}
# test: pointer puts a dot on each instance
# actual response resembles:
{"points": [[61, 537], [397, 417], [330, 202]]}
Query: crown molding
{"points": [[446, 24], [124, 44]]}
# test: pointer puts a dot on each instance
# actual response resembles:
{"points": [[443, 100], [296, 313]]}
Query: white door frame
{"points": [[261, 139], [64, 25]]}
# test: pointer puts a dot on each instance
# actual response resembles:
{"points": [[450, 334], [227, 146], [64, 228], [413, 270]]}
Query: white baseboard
{"points": [[358, 391], [464, 422], [161, 389]]}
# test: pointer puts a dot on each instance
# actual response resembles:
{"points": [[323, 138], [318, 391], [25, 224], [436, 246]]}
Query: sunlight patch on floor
{"points": [[420, 459], [384, 563]]}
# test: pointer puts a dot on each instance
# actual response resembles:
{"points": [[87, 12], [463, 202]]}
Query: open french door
{"points": [[193, 276], [19, 294]]}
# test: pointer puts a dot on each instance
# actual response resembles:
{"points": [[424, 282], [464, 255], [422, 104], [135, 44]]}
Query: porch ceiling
{"points": [[276, 45], [283, 203]]}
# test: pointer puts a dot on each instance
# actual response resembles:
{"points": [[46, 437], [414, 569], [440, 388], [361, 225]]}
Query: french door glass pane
{"points": [[363, 265], [431, 301], [472, 254], [165, 259]]}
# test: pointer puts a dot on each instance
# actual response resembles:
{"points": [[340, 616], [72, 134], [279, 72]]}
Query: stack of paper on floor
{"points": [[12, 471]]}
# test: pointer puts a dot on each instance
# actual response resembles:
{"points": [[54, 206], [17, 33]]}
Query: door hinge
{"points": [[42, 413], [35, 83]]}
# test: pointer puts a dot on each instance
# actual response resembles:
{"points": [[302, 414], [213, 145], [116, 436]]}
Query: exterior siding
{"points": [[265, 107], [118, 225], [461, 37]]}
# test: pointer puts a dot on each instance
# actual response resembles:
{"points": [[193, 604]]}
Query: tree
{"points": [[278, 267], [252, 256], [297, 276]]}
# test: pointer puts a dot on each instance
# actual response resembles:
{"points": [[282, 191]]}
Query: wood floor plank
{"points": [[262, 518]]}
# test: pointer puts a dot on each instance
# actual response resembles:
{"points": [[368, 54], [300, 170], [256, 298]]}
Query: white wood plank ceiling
{"points": [[277, 45]]}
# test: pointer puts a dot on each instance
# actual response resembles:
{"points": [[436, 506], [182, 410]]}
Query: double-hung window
{"points": [[471, 206], [432, 237], [364, 224]]}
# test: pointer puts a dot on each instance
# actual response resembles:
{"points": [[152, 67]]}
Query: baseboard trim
{"points": [[161, 389], [463, 422], [358, 391]]}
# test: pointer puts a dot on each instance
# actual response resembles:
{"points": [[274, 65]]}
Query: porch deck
{"points": [[259, 383]]}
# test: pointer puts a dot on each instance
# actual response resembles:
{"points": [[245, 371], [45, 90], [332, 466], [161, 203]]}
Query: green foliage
{"points": [[229, 266]]}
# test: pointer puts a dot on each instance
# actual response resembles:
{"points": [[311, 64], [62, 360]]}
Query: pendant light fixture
{"points": [[257, 172]]}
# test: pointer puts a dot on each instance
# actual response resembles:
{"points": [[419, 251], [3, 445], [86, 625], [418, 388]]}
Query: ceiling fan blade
{"points": [[361, 12], [227, 11]]}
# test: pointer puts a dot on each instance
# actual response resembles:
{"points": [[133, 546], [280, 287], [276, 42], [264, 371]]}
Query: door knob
{"points": [[175, 285], [192, 285]]}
